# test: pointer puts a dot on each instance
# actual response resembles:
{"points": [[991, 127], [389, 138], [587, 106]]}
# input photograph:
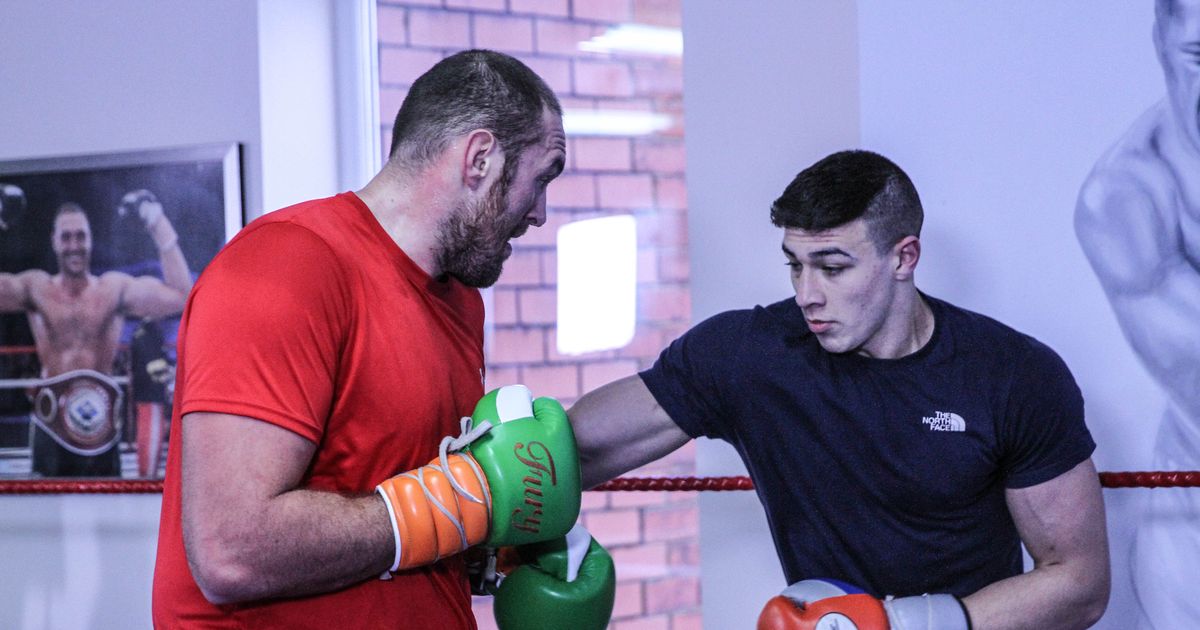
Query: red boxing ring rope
{"points": [[1152, 479]]}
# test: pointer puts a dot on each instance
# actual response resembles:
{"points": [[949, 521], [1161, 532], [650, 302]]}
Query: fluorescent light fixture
{"points": [[637, 38], [613, 122], [597, 284]]}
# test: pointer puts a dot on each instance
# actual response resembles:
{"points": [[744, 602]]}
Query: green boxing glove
{"points": [[531, 464], [569, 583]]}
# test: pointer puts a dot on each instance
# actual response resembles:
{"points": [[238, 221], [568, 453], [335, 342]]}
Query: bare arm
{"points": [[619, 427], [250, 533], [1062, 525], [147, 296], [1133, 241], [15, 291]]}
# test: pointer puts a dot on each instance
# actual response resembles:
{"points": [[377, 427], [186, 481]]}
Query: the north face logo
{"points": [[944, 421]]}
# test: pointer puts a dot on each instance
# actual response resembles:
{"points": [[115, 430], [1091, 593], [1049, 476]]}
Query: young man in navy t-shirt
{"points": [[897, 442]]}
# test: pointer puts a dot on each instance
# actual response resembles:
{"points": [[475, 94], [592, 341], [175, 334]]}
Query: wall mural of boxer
{"points": [[97, 256], [1138, 220]]}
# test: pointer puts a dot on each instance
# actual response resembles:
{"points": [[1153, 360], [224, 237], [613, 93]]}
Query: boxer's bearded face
{"points": [[72, 243], [474, 238], [1178, 44], [844, 286]]}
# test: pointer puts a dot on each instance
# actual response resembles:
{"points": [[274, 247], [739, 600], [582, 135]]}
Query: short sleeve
{"points": [[264, 329], [1044, 434], [691, 379]]}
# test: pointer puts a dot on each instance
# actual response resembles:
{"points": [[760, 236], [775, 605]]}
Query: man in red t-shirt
{"points": [[330, 346]]}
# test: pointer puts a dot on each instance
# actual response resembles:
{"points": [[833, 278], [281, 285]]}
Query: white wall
{"points": [[766, 92], [998, 111]]}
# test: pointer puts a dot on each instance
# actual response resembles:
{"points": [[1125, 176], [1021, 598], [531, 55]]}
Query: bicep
{"points": [[145, 296], [232, 467], [619, 427], [1061, 521], [14, 291]]}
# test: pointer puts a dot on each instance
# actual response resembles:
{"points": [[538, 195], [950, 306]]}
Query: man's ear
{"points": [[906, 253], [482, 157]]}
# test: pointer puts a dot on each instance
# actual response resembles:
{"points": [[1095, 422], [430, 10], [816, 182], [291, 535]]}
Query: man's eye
{"points": [[832, 271], [793, 264]]}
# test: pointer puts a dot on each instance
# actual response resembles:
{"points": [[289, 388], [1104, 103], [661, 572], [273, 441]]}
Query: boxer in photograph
{"points": [[898, 443], [1138, 221], [76, 318]]}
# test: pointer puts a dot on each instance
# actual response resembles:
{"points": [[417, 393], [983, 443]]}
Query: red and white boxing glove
{"points": [[822, 604]]}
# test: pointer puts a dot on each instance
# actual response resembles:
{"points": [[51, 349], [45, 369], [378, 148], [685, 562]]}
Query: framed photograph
{"points": [[97, 256]]}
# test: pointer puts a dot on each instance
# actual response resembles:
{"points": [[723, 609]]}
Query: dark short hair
{"points": [[474, 89], [846, 186]]}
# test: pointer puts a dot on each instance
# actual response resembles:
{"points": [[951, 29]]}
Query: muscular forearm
{"points": [[1050, 597], [174, 266], [301, 542]]}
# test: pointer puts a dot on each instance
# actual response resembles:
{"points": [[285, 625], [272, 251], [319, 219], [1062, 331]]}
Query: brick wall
{"points": [[653, 536]]}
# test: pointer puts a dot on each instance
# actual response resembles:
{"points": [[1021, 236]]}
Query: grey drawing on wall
{"points": [[1138, 221]]}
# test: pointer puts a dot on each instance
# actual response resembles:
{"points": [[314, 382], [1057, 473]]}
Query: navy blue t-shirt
{"points": [[886, 473]]}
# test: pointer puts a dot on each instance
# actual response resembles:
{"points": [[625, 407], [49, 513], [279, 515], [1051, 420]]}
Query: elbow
{"points": [[222, 579], [1093, 600]]}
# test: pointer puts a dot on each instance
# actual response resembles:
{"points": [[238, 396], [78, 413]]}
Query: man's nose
{"points": [[808, 290], [537, 216]]}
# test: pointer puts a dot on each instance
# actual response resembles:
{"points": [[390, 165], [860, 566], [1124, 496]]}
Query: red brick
{"points": [[647, 342], [594, 500], [402, 66], [660, 156], [555, 37], [665, 302], [487, 5], [666, 228], [390, 23], [684, 553], [625, 191], [517, 345], [603, 10], [556, 8], [628, 105], [601, 154], [390, 100], [523, 268], [603, 78], [550, 268], [439, 29], [658, 77], [666, 13], [499, 376], [503, 32], [428, 3], [576, 103], [657, 622], [673, 265], [615, 527], [555, 72], [538, 306], [572, 191], [641, 561], [647, 266], [540, 239], [504, 306], [673, 593], [693, 620], [597, 374], [671, 193], [672, 523], [637, 499], [628, 602], [555, 381]]}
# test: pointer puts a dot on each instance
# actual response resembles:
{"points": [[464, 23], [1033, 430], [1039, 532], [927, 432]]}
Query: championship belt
{"points": [[79, 410]]}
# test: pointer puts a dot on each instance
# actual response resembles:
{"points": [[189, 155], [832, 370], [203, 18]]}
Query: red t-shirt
{"points": [[314, 320]]}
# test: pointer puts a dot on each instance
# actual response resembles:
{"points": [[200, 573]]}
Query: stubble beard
{"points": [[471, 240]]}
